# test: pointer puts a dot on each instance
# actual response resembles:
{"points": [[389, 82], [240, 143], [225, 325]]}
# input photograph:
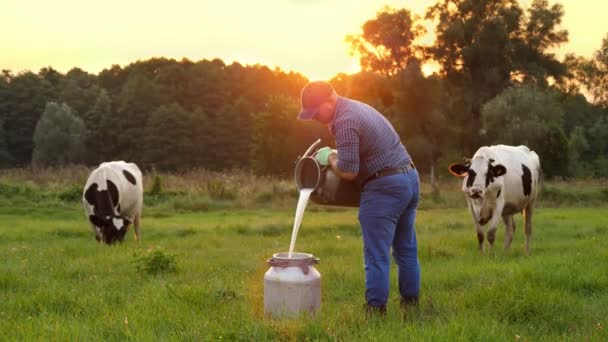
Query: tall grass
{"points": [[203, 190]]}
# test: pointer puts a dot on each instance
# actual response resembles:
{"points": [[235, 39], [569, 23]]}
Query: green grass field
{"points": [[57, 283]]}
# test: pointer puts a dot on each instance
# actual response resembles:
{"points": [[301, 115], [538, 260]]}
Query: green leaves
{"points": [[59, 137], [386, 43], [155, 262], [487, 42], [273, 138], [530, 116]]}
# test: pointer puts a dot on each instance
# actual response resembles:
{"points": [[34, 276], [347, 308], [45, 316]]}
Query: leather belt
{"points": [[389, 172]]}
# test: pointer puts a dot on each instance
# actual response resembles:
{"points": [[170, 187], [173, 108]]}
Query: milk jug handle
{"points": [[311, 149]]}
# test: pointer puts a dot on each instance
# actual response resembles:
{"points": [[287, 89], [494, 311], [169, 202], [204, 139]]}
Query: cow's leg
{"points": [[136, 222], [478, 229], [493, 224], [480, 236], [94, 229], [492, 236], [509, 229], [528, 224]]}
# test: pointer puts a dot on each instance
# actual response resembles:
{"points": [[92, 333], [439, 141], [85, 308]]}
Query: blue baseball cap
{"points": [[312, 96]]}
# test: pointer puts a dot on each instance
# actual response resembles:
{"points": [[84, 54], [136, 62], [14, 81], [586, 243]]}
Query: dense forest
{"points": [[498, 81]]}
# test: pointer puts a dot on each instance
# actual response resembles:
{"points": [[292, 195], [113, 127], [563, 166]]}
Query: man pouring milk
{"points": [[370, 153]]}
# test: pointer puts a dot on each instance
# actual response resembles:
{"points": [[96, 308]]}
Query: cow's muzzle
{"points": [[476, 193]]}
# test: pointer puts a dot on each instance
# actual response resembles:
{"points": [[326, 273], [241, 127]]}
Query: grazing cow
{"points": [[112, 199], [500, 181]]}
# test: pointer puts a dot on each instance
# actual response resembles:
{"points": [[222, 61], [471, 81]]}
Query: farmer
{"points": [[370, 153]]}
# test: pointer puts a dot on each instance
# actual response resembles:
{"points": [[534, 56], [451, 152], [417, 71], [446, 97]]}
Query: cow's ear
{"points": [[499, 170], [96, 221], [458, 169]]}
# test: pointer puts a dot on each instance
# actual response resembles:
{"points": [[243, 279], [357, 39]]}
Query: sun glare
{"points": [[430, 68], [272, 36]]}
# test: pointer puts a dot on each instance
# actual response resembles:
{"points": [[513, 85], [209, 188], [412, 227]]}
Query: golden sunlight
{"points": [[303, 36]]}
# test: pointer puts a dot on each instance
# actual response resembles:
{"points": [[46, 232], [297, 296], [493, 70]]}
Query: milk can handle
{"points": [[304, 264], [311, 148]]}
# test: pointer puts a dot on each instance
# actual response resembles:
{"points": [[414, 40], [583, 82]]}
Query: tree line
{"points": [[497, 82]]}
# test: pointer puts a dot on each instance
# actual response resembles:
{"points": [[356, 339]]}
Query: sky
{"points": [[307, 36]]}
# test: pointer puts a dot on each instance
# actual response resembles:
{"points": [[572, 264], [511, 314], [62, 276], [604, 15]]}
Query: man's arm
{"points": [[333, 161]]}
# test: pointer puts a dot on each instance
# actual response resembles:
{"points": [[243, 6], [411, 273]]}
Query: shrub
{"points": [[156, 188], [156, 262], [217, 189]]}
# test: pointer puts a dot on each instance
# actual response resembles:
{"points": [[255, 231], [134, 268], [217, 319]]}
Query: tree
{"points": [[171, 139], [394, 80], [485, 46], [272, 149], [534, 60], [366, 86], [59, 137], [5, 157], [598, 84], [385, 46], [78, 90], [589, 75], [101, 138], [394, 84], [528, 115], [578, 112], [419, 117], [232, 135], [25, 98], [489, 42], [138, 98], [578, 148], [598, 139]]}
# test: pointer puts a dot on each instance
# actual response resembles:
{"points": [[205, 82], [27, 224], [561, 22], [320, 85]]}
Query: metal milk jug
{"points": [[329, 188], [292, 285]]}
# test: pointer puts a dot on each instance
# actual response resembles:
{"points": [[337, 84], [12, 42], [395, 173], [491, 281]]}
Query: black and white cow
{"points": [[500, 181], [112, 200]]}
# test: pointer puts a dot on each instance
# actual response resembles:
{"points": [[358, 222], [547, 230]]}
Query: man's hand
{"points": [[322, 155], [333, 161]]}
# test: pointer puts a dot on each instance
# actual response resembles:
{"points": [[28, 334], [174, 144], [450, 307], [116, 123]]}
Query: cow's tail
{"points": [[539, 170]]}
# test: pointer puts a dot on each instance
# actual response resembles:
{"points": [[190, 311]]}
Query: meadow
{"points": [[198, 272]]}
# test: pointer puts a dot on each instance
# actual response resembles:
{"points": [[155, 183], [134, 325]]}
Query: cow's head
{"points": [[480, 174], [110, 229]]}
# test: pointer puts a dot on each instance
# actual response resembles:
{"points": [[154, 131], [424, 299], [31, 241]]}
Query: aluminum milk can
{"points": [[292, 286]]}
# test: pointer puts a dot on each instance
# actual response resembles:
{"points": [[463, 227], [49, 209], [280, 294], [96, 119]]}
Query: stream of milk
{"points": [[302, 202]]}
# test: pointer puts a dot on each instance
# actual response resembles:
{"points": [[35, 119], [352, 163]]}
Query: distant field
{"points": [[204, 191], [57, 283]]}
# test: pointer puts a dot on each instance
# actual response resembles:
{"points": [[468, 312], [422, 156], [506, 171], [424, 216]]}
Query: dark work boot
{"points": [[375, 310], [409, 301]]}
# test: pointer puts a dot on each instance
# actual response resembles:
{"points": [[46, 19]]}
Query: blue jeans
{"points": [[387, 213]]}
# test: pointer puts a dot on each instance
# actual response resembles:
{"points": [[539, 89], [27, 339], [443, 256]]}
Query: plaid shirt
{"points": [[365, 140]]}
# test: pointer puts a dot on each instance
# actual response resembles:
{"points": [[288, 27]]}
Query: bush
{"points": [[218, 189], [156, 188], [156, 262], [72, 194]]}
